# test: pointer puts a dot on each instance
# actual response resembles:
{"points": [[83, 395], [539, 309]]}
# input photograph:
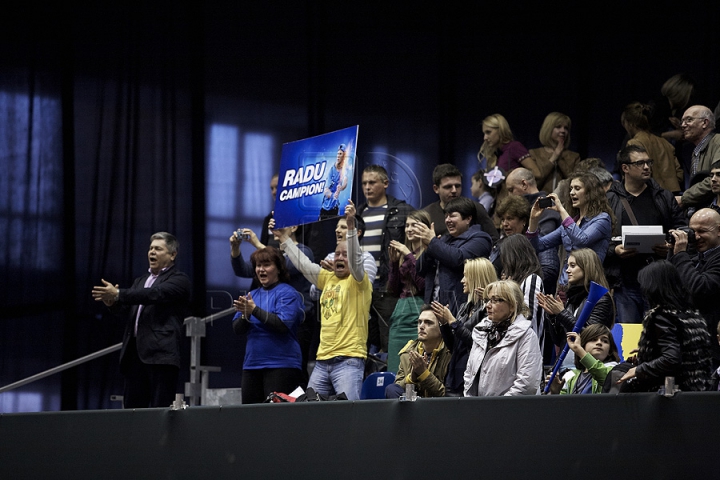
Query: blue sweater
{"points": [[272, 342]]}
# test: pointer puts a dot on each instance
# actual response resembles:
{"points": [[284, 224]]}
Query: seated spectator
{"points": [[588, 225], [675, 341], [423, 362], [270, 316], [583, 267], [457, 332], [553, 161], [701, 273], [344, 313], [403, 280], [521, 265], [443, 261], [521, 182], [595, 355], [504, 346], [484, 194]]}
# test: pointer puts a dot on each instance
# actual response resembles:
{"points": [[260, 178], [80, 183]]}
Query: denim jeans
{"points": [[630, 304], [337, 375]]}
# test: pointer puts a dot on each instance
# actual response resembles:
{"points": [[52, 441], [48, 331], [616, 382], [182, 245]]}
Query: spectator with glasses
{"points": [[505, 346], [666, 170], [637, 200], [697, 125]]}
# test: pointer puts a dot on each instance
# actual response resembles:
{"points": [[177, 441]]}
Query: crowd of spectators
{"points": [[474, 296]]}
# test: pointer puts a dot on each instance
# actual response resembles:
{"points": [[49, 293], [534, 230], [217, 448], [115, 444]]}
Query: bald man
{"points": [[698, 125], [701, 273]]}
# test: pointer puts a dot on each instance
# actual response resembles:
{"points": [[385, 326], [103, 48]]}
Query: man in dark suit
{"points": [[156, 305]]}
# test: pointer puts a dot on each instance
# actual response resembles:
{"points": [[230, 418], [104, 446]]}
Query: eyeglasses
{"points": [[641, 163], [496, 300], [690, 119]]}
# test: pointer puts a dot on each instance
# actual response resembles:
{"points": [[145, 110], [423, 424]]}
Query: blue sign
{"points": [[316, 176]]}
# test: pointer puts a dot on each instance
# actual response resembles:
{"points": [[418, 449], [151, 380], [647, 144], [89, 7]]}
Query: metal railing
{"points": [[195, 388]]}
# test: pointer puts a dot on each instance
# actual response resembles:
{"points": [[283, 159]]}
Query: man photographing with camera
{"points": [[701, 273]]}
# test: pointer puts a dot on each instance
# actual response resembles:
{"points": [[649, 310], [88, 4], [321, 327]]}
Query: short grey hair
{"points": [[602, 174], [172, 243]]}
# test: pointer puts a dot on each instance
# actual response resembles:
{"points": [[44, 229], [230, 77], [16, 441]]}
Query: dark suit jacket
{"points": [[165, 306]]}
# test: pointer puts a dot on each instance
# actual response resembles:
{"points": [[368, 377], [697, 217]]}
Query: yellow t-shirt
{"points": [[344, 311]]}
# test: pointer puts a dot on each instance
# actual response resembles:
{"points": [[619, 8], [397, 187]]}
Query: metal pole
{"points": [[60, 368]]}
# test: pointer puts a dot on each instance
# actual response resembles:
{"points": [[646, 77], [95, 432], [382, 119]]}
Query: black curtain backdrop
{"points": [[110, 113]]}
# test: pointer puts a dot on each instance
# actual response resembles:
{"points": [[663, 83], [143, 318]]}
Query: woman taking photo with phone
{"points": [[587, 223]]}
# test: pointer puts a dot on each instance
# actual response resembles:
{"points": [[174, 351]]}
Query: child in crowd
{"points": [[484, 194], [595, 355]]}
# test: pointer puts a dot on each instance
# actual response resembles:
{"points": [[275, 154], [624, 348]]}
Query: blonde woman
{"points": [[457, 332], [505, 346], [553, 161], [499, 147]]}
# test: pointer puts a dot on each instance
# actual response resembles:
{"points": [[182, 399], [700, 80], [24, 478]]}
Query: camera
{"points": [[546, 202], [690, 233]]}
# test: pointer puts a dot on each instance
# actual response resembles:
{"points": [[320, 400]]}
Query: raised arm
{"points": [[310, 270]]}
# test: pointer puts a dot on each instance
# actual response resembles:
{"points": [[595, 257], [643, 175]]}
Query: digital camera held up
{"points": [[669, 238]]}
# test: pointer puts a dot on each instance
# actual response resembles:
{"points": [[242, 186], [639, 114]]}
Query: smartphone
{"points": [[546, 202]]}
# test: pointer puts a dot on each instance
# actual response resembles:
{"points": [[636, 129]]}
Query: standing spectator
{"points": [[270, 316], [666, 170], [384, 217], [444, 258], [675, 341], [404, 281], [701, 273], [553, 161], [156, 305], [499, 147], [588, 225], [697, 125], [484, 194], [307, 328], [266, 236], [514, 214], [521, 182], [447, 184], [505, 359], [344, 310], [637, 200], [457, 332]]}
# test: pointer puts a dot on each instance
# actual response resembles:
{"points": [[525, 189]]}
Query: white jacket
{"points": [[512, 367]]}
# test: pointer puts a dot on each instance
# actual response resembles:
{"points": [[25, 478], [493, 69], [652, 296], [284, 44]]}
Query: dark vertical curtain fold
{"points": [[130, 102]]}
